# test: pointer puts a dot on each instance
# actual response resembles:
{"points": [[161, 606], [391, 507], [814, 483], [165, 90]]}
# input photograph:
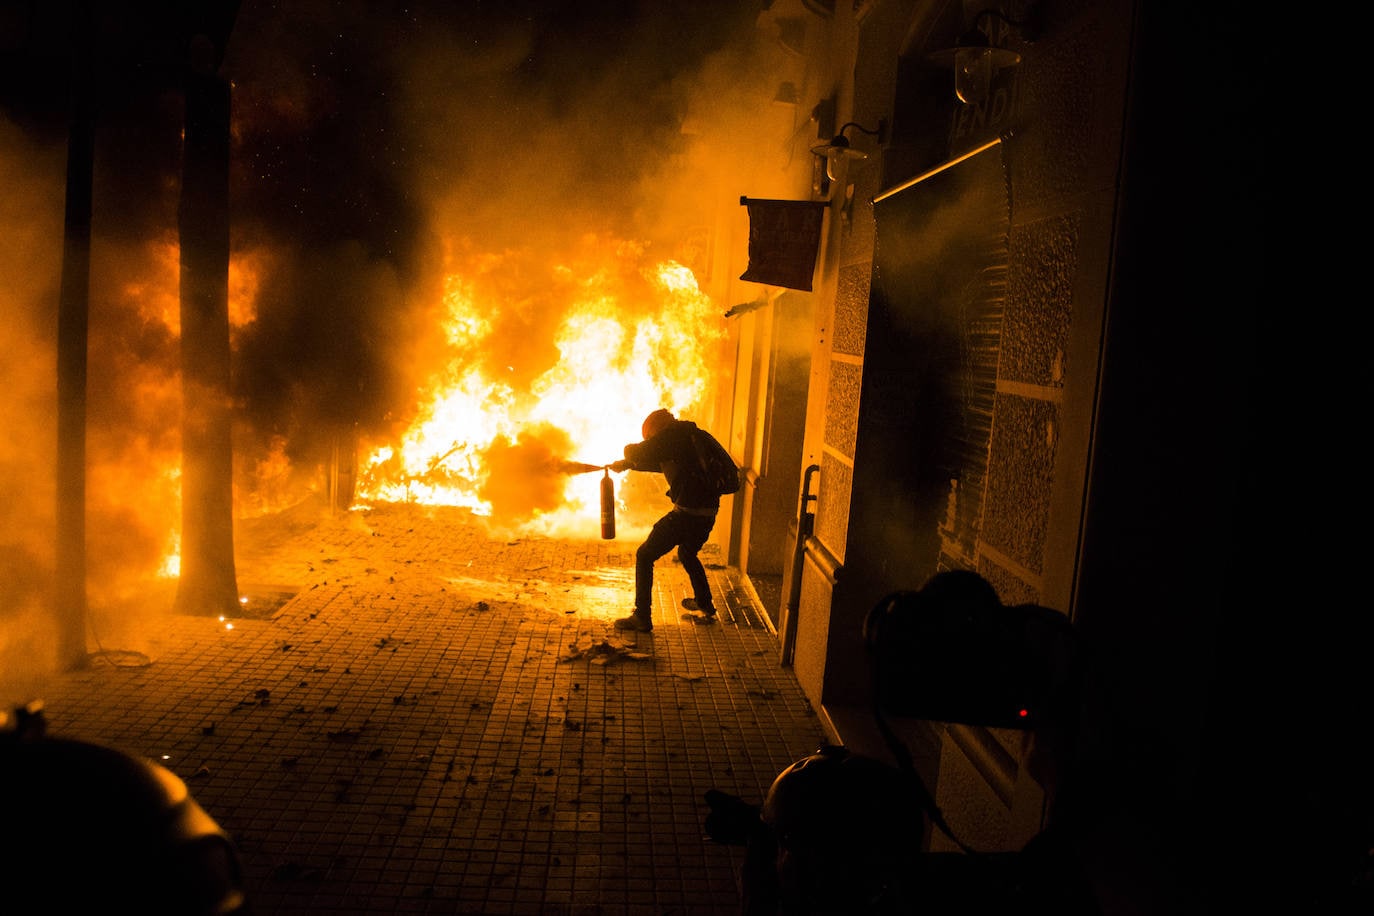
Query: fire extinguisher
{"points": [[607, 506]]}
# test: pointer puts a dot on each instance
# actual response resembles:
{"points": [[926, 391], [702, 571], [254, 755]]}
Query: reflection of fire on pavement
{"points": [[259, 602], [587, 599]]}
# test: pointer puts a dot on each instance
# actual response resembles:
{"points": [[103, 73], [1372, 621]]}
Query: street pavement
{"points": [[417, 715]]}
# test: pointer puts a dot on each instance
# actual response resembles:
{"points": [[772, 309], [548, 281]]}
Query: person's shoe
{"points": [[635, 622], [692, 605]]}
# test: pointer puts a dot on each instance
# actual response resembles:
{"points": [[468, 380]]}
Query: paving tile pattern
{"points": [[417, 716]]}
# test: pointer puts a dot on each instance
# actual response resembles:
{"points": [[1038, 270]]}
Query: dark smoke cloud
{"points": [[378, 147], [369, 139]]}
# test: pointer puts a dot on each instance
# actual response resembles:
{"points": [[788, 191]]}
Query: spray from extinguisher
{"points": [[607, 506]]}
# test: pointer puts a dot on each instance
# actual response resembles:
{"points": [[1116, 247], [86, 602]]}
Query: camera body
{"points": [[952, 652]]}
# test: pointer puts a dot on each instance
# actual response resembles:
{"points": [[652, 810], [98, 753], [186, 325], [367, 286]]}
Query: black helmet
{"points": [[848, 828], [87, 828]]}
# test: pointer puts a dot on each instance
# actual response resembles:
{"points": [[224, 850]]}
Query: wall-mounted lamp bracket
{"points": [[975, 59], [839, 148]]}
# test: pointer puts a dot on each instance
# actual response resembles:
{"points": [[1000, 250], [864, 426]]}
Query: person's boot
{"points": [[640, 623], [691, 604]]}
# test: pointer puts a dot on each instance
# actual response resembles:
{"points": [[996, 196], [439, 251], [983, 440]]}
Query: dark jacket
{"points": [[672, 454]]}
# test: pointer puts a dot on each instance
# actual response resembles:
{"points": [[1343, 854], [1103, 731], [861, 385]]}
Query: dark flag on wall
{"points": [[784, 239]]}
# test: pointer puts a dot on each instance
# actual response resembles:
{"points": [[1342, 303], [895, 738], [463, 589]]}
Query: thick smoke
{"points": [[378, 150], [527, 473], [29, 281], [388, 150]]}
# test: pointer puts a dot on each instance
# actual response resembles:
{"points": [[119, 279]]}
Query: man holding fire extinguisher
{"points": [[668, 449]]}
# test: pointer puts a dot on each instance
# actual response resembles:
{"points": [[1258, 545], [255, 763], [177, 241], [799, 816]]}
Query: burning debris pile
{"points": [[510, 439]]}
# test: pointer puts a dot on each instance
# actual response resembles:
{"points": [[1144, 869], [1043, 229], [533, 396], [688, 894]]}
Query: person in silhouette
{"points": [[667, 449]]}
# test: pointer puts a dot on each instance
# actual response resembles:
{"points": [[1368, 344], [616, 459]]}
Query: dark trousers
{"points": [[685, 532]]}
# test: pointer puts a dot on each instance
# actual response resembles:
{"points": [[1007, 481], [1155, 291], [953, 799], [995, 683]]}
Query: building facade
{"points": [[1027, 354]]}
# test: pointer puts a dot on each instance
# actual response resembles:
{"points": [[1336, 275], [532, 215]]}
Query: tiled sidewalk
{"points": [[440, 721]]}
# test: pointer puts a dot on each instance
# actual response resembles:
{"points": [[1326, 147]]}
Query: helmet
{"points": [[848, 830], [836, 797], [656, 422], [89, 827]]}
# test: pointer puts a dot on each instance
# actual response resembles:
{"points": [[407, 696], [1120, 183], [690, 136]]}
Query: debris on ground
{"points": [[292, 871], [600, 651], [261, 697]]}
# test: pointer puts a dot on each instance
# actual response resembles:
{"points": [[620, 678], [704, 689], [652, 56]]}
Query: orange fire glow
{"points": [[135, 466], [616, 340], [497, 448]]}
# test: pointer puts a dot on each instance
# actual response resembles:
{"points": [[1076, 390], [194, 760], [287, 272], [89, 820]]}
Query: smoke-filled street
{"points": [[445, 252], [464, 242], [415, 716]]}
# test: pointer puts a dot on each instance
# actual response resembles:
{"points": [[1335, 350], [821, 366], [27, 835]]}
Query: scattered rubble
{"points": [[292, 871], [600, 651]]}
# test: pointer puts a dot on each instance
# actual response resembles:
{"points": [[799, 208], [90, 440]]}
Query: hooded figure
{"points": [[668, 449]]}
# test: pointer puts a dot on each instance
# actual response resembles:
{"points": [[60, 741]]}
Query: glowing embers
{"points": [[262, 602]]}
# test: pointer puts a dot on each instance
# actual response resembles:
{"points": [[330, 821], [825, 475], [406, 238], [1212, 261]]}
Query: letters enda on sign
{"points": [[784, 239]]}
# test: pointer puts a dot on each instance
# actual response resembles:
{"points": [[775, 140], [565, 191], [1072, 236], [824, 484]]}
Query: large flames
{"points": [[515, 449], [525, 396]]}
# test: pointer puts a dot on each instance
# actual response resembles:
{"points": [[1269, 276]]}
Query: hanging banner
{"points": [[784, 239]]}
